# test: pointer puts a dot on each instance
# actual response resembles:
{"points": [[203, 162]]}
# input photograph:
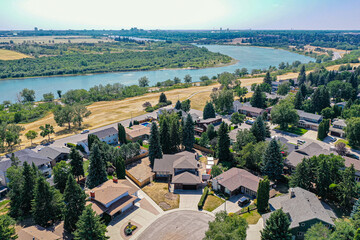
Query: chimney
{"points": [[115, 180], [292, 193], [92, 194]]}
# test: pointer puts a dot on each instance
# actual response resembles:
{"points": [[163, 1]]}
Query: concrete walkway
{"points": [[253, 232]]}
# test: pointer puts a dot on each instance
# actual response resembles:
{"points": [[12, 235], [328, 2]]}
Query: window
{"points": [[302, 224]]}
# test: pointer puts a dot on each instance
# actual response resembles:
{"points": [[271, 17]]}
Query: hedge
{"points": [[203, 198]]}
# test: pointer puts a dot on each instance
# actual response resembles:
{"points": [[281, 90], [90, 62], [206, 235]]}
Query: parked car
{"points": [[243, 201], [299, 141], [85, 131], [250, 122], [351, 155]]}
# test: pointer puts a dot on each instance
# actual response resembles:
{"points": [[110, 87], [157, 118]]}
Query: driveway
{"points": [[189, 199], [310, 134], [178, 225], [231, 205], [253, 232]]}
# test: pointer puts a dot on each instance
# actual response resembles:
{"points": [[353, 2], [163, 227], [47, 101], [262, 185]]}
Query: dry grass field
{"points": [[56, 39], [11, 55]]}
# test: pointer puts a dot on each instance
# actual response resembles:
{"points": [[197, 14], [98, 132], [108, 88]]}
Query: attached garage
{"points": [[189, 187], [186, 181]]}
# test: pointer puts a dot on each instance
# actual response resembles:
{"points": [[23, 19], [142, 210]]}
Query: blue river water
{"points": [[248, 57]]}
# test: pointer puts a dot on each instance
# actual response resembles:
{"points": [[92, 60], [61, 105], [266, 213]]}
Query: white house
{"points": [[108, 135]]}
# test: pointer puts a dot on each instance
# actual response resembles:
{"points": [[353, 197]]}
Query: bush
{"points": [[70, 145], [136, 122], [203, 198], [231, 214], [133, 227], [80, 148]]}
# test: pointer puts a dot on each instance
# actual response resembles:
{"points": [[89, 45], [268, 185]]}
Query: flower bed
{"points": [[129, 229]]}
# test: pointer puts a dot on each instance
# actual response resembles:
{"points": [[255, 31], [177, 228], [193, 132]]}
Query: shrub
{"points": [[80, 148], [203, 198], [70, 145], [133, 227], [231, 214], [136, 122]]}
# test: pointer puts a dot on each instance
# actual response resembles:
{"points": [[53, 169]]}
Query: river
{"points": [[248, 57]]}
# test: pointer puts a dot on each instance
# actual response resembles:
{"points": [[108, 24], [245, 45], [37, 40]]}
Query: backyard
{"points": [[159, 192]]}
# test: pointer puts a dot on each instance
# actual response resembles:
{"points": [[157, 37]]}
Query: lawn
{"points": [[212, 202], [295, 130], [159, 192], [251, 217], [343, 141], [86, 167], [4, 206]]}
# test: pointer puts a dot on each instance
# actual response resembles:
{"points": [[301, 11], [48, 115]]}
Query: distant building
{"points": [[341, 104], [108, 135], [202, 125]]}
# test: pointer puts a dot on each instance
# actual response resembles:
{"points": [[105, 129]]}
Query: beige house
{"points": [[137, 132]]}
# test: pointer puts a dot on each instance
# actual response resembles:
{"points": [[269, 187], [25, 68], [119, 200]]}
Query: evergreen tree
{"points": [[27, 191], [210, 131], [16, 180], [174, 134], [61, 172], [75, 199], [178, 105], [347, 187], [165, 135], [154, 144], [97, 169], [267, 78], [277, 227], [302, 176], [258, 98], [356, 208], [223, 146], [318, 231], [323, 181], [120, 167], [209, 111], [302, 76], [121, 133], [162, 98], [273, 161], [47, 204], [14, 160], [188, 133], [89, 226], [323, 130], [77, 163], [258, 129], [263, 195], [7, 229], [91, 139]]}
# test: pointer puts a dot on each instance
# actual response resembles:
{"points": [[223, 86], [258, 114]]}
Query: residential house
{"points": [[25, 155], [341, 104], [304, 210], [250, 111], [113, 197], [37, 232], [337, 128], [55, 154], [356, 163], [289, 147], [235, 181], [202, 125], [237, 105], [309, 120], [107, 135], [181, 170], [137, 132]]}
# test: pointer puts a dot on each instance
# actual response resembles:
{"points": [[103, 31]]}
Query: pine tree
{"points": [[165, 135], [27, 191], [188, 133], [263, 195], [77, 163], [121, 133], [356, 208], [347, 187], [174, 134], [322, 130], [302, 176], [7, 229], [162, 98], [209, 111], [120, 167], [322, 180], [258, 98], [302, 76], [97, 169], [178, 105], [273, 161], [16, 181], [210, 131], [223, 146], [75, 199], [298, 100], [258, 129], [47, 204], [267, 78], [303, 90], [154, 144], [89, 226], [91, 139], [277, 227]]}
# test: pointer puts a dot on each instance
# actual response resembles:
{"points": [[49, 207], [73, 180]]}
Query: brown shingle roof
{"points": [[186, 178], [168, 162], [38, 233], [355, 162], [114, 208], [251, 109], [137, 131], [236, 177]]}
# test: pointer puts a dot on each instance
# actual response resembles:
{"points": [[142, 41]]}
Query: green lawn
{"points": [[86, 167], [251, 217], [295, 130], [343, 141], [146, 146], [212, 202], [4, 206]]}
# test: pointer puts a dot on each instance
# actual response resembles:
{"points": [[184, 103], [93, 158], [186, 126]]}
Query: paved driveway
{"points": [[231, 205], [189, 199], [178, 225], [253, 232]]}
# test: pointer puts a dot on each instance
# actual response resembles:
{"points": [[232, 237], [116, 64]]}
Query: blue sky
{"points": [[180, 14]]}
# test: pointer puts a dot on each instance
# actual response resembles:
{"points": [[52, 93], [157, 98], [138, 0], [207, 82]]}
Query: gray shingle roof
{"points": [[105, 132], [303, 114], [53, 152], [168, 162], [304, 206]]}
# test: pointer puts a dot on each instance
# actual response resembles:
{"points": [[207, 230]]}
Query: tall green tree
{"points": [[298, 102], [277, 227], [80, 112], [31, 135], [27, 191], [188, 138], [175, 140], [178, 105], [75, 199], [76, 163], [237, 118], [273, 161], [210, 131], [121, 134], [320, 99], [267, 78], [162, 98], [46, 130], [318, 231], [323, 129], [143, 82], [243, 137], [16, 181], [347, 187], [302, 75], [263, 195], [226, 227], [120, 167], [165, 135], [47, 204], [343, 231], [90, 226], [155, 150], [352, 131], [187, 78], [258, 98], [323, 181], [284, 114], [303, 175], [186, 105], [223, 146], [61, 172], [258, 129], [7, 229], [64, 115], [209, 111], [97, 169]]}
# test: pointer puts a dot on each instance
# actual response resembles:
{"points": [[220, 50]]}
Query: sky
{"points": [[180, 14]]}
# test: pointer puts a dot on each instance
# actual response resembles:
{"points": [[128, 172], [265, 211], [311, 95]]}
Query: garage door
{"points": [[189, 187]]}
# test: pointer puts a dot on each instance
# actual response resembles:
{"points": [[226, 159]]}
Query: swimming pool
{"points": [[146, 124]]}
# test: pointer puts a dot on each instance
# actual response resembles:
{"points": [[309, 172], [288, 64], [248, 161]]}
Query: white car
{"points": [[85, 131]]}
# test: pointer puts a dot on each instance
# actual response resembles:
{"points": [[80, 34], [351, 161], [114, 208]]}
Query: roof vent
{"points": [[92, 194], [292, 193], [115, 180]]}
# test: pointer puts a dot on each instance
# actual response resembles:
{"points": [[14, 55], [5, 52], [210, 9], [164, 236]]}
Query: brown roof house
{"points": [[235, 181], [337, 128], [113, 197], [247, 109], [181, 169], [37, 232], [202, 125], [137, 132]]}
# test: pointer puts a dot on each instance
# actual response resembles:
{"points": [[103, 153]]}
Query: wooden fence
{"points": [[137, 182], [198, 147], [134, 159]]}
